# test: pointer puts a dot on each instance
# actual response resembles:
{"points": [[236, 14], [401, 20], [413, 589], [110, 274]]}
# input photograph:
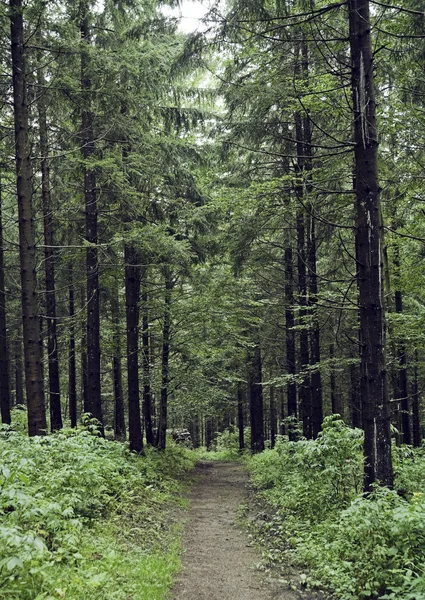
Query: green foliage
{"points": [[78, 512], [355, 545], [331, 469], [226, 446], [373, 547]]}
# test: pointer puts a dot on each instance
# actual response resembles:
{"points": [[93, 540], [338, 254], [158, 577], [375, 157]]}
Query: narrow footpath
{"points": [[218, 563]]}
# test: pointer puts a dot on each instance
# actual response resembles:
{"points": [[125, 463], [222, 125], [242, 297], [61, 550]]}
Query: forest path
{"points": [[218, 563]]}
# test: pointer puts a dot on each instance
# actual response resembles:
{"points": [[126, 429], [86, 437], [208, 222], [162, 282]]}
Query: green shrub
{"points": [[311, 477], [370, 548], [355, 545], [58, 491]]}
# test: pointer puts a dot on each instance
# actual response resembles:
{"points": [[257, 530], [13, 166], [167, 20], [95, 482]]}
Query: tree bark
{"points": [[194, 431], [416, 423], [316, 378], [355, 398], [132, 297], [375, 404], [49, 263], [240, 400], [304, 391], [336, 404], [84, 374], [119, 422], [291, 388], [165, 376], [402, 382], [37, 424], [19, 379], [72, 368], [90, 198], [209, 431], [273, 418], [147, 396], [304, 356], [5, 398], [256, 401], [282, 412]]}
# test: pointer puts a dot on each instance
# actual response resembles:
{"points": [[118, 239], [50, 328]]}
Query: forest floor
{"points": [[219, 563]]}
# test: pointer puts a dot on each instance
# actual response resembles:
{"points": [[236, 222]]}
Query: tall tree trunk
{"points": [[90, 198], [119, 422], [72, 367], [132, 297], [256, 401], [305, 386], [316, 378], [282, 412], [147, 397], [19, 374], [49, 263], [84, 374], [336, 403], [304, 356], [291, 388], [402, 383], [355, 398], [375, 404], [416, 428], [209, 431], [273, 418], [37, 424], [5, 399], [240, 400], [165, 376], [194, 431], [307, 165]]}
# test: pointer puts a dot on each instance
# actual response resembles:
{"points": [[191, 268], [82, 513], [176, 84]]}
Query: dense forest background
{"points": [[206, 233], [219, 234]]}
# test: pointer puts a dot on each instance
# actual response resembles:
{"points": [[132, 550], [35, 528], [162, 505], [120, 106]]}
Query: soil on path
{"points": [[218, 563]]}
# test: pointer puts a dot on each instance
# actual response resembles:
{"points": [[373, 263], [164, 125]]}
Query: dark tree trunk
{"points": [[282, 412], [291, 388], [90, 198], [194, 431], [316, 379], [402, 383], [19, 379], [256, 401], [355, 398], [336, 404], [209, 429], [5, 399], [147, 397], [49, 264], [375, 405], [37, 424], [72, 367], [273, 418], [240, 399], [416, 423], [84, 374], [132, 297], [119, 422], [304, 356], [165, 376]]}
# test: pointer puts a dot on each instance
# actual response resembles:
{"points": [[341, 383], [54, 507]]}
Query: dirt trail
{"points": [[218, 562]]}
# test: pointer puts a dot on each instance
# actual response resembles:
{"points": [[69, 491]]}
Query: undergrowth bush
{"points": [[225, 446], [59, 491], [355, 546]]}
